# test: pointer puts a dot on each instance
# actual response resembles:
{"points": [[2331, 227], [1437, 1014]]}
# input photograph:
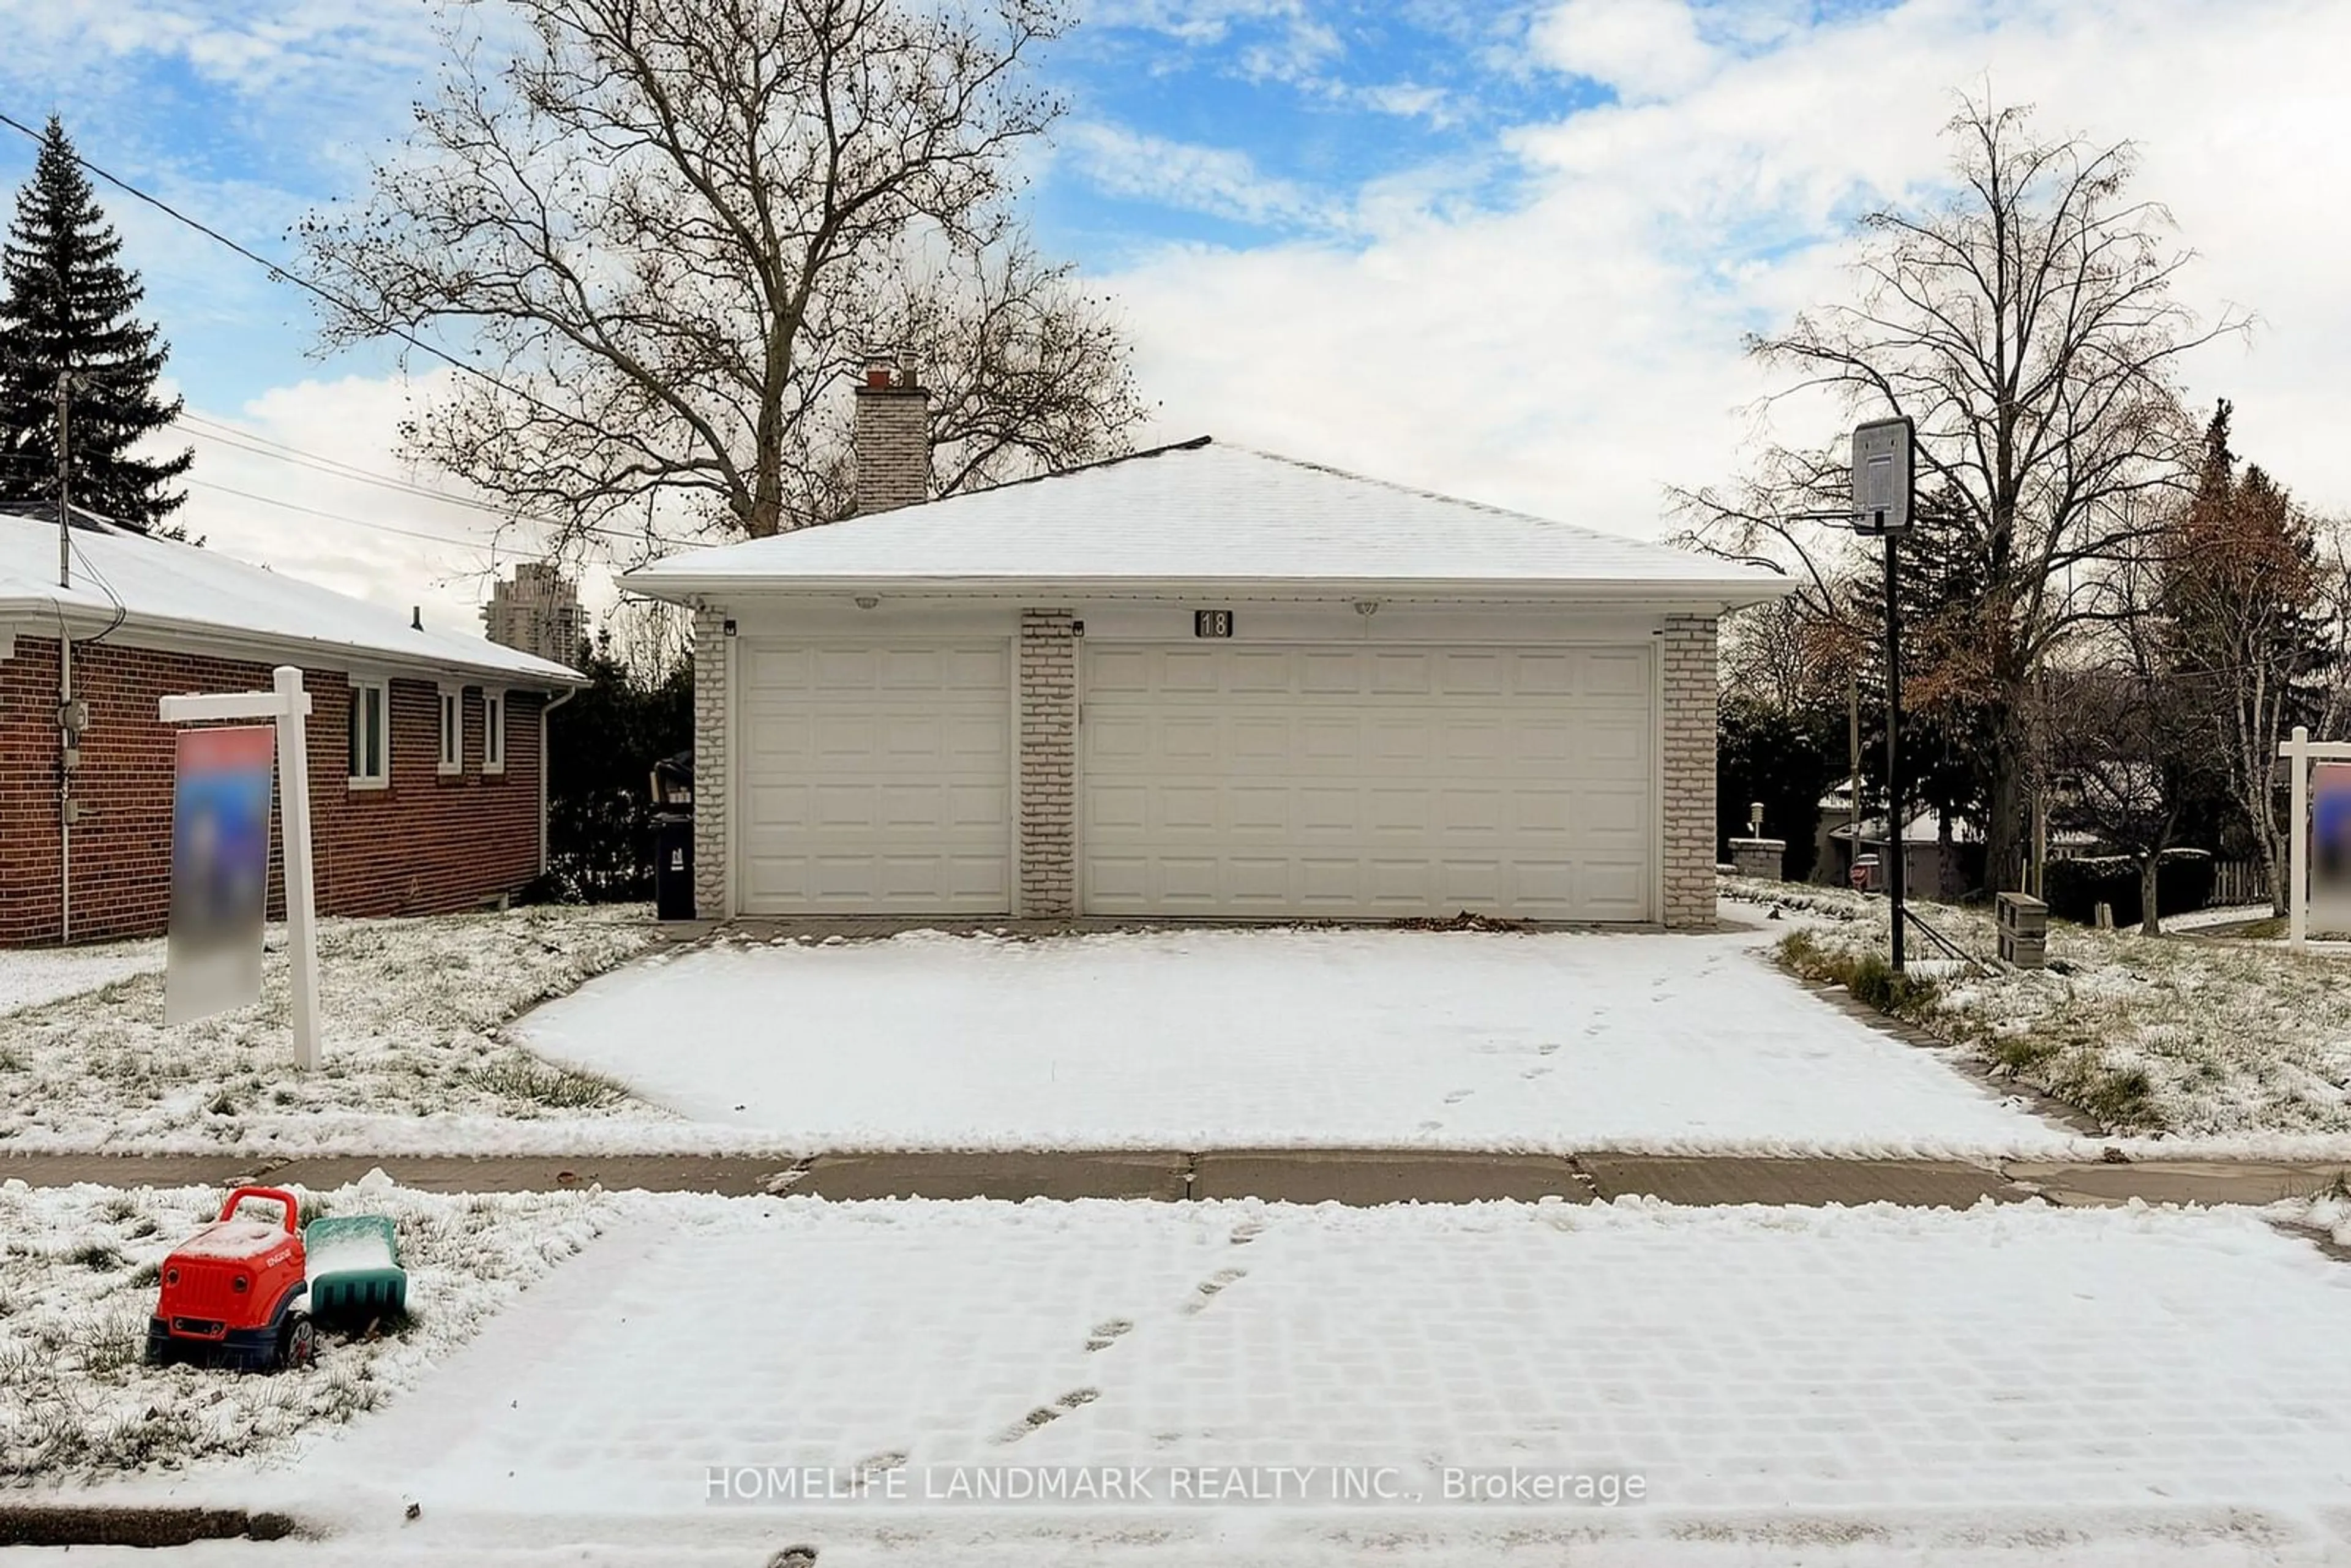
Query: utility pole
{"points": [[65, 478]]}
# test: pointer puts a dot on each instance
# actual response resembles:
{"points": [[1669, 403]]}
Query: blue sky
{"points": [[1224, 123], [1504, 248], [1285, 112]]}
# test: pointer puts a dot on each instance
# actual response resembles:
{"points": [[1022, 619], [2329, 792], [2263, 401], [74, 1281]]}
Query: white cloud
{"points": [[1198, 22], [252, 48], [1578, 352], [1217, 181], [343, 532], [1643, 48]]}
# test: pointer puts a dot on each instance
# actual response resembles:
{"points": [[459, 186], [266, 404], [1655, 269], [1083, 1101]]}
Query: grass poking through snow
{"points": [[2150, 1035], [77, 1400], [412, 1010]]}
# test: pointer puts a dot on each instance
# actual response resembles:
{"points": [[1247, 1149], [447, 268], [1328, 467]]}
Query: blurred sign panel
{"points": [[220, 870], [2330, 846]]}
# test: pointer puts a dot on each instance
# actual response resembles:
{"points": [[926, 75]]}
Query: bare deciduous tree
{"points": [[2029, 325], [675, 227], [2262, 595], [2130, 724]]}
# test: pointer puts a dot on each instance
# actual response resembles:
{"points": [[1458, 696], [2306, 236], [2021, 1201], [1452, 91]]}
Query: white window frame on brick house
{"points": [[358, 776], [494, 729], [450, 708]]}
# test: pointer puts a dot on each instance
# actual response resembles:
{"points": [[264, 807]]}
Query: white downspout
{"points": [[548, 707]]}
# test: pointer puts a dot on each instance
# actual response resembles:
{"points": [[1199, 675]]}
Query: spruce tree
{"points": [[66, 308]]}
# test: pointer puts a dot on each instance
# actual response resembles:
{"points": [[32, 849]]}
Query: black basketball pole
{"points": [[1897, 850]]}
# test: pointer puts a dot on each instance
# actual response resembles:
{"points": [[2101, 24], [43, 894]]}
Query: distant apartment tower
{"points": [[536, 611]]}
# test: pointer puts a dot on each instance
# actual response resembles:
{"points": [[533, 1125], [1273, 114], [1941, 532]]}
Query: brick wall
{"points": [[1687, 649], [428, 843], [710, 642], [1049, 763]]}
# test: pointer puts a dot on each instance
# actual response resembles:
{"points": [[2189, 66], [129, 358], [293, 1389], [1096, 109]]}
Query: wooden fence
{"points": [[2239, 882]]}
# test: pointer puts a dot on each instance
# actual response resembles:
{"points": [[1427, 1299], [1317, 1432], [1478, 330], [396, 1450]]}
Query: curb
{"points": [[64, 1524]]}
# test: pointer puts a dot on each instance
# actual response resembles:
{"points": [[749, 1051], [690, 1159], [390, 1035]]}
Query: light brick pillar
{"points": [[710, 641], [1687, 649], [1049, 763]]}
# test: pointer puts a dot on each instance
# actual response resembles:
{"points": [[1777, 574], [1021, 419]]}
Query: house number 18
{"points": [[1212, 623]]}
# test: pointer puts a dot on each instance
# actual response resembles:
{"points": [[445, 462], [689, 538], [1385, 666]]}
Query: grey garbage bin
{"points": [[674, 864]]}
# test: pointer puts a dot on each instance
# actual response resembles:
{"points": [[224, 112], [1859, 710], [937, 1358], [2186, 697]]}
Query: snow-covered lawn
{"points": [[2015, 1383], [78, 1282], [1263, 1038], [413, 1010], [2153, 1035], [30, 977]]}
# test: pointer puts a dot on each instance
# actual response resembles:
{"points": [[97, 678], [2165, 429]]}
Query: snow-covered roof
{"points": [[1925, 828], [1209, 514], [208, 598]]}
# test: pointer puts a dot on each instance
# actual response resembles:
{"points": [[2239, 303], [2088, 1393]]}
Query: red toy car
{"points": [[236, 1294]]}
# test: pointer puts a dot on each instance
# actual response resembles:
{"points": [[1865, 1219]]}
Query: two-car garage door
{"points": [[1381, 782], [1219, 779]]}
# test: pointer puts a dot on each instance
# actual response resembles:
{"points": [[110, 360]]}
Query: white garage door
{"points": [[1368, 781], [877, 780]]}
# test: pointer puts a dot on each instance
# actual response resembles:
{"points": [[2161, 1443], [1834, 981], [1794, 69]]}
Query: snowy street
{"points": [[1269, 1037], [2067, 1386]]}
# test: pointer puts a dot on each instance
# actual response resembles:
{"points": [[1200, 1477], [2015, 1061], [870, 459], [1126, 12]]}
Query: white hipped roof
{"points": [[205, 598], [1207, 514]]}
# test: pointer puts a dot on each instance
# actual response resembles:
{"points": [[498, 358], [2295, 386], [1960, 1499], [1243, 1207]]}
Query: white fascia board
{"points": [[41, 618], [1705, 596]]}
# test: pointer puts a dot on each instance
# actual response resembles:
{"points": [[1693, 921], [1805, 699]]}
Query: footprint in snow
{"points": [[887, 1460], [1104, 1334], [1458, 1095], [1536, 1072], [1210, 1288], [1246, 1232], [1045, 1414], [1551, 1049]]}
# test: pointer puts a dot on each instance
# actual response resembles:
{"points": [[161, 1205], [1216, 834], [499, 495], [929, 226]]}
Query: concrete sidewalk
{"points": [[1354, 1177]]}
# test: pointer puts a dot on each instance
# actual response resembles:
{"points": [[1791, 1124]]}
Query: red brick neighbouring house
{"points": [[407, 816]]}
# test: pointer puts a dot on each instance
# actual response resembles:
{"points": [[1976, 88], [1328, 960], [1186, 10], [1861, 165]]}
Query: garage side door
{"points": [[1368, 781], [877, 779]]}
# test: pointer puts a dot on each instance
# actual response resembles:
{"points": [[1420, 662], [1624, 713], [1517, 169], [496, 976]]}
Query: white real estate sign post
{"points": [[289, 705], [2300, 753]]}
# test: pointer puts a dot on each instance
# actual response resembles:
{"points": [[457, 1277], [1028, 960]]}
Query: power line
{"points": [[364, 523], [335, 467], [388, 328], [262, 446]]}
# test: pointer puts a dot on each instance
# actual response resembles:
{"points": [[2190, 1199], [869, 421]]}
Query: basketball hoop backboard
{"points": [[1883, 477]]}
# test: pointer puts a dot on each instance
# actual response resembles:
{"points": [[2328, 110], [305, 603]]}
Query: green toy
{"points": [[355, 1273]]}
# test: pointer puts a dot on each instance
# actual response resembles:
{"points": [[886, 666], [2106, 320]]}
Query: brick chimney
{"points": [[893, 436]]}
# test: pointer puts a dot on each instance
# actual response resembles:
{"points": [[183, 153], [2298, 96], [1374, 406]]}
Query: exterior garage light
{"points": [[866, 602], [1368, 607]]}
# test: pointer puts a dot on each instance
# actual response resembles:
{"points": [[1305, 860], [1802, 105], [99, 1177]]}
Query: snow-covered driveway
{"points": [[1237, 1039], [2019, 1384]]}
